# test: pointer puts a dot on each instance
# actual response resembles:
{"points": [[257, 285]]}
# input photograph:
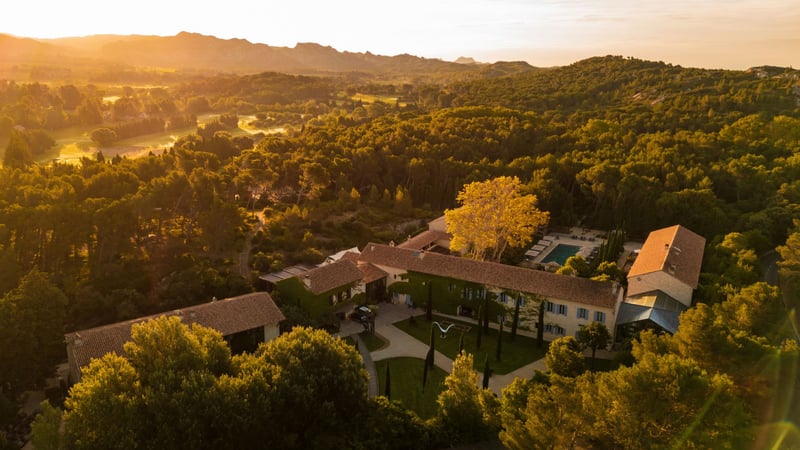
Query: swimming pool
{"points": [[561, 253]]}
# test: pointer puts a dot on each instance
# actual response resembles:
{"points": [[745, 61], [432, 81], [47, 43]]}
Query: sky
{"points": [[715, 34]]}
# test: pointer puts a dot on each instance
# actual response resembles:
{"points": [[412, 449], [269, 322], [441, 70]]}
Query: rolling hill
{"points": [[196, 53]]}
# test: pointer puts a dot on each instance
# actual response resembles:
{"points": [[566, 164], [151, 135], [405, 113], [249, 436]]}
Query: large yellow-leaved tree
{"points": [[493, 215]]}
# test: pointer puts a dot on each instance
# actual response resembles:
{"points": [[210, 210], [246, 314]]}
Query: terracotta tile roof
{"points": [[369, 271], [549, 285], [331, 276], [675, 250], [227, 316], [424, 239]]}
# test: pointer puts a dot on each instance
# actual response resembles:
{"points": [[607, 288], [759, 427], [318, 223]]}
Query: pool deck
{"points": [[585, 238]]}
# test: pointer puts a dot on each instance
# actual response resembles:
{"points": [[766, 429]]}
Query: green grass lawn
{"points": [[373, 341], [514, 354], [406, 387]]}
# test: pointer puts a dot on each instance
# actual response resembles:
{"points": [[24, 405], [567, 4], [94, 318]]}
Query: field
{"points": [[72, 144], [369, 99]]}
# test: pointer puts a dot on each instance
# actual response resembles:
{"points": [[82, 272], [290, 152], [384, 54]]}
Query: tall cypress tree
{"points": [[486, 313], [424, 374], [387, 389], [499, 341], [487, 372], [540, 325], [480, 329], [516, 318]]}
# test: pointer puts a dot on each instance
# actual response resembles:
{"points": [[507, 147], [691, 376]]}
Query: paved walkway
{"points": [[403, 345], [369, 364]]}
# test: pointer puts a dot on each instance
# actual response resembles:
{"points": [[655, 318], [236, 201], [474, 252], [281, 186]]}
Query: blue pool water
{"points": [[561, 253]]}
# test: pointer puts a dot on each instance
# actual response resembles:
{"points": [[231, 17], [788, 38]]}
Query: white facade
{"points": [[661, 281]]}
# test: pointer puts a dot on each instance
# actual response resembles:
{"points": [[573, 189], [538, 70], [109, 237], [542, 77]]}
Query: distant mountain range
{"points": [[191, 52]]}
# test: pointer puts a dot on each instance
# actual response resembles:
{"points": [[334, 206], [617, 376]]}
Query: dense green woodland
{"points": [[610, 143]]}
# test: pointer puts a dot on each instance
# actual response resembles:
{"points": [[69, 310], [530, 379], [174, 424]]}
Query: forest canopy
{"points": [[609, 143]]}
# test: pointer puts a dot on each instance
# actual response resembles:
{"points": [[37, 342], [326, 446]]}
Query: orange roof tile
{"points": [[549, 285], [424, 239], [675, 250], [331, 276], [228, 316]]}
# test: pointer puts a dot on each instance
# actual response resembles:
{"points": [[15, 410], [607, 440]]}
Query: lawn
{"points": [[514, 354], [373, 341], [406, 386]]}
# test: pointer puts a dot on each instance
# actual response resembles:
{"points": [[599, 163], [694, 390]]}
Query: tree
{"points": [[493, 215], [487, 372], [543, 415], [594, 336], [789, 269], [565, 357], [425, 366], [31, 332], [387, 390], [515, 320], [461, 413], [142, 402], [389, 425], [313, 410], [540, 324], [479, 337], [499, 348], [179, 381], [694, 409], [103, 137], [45, 428], [18, 153]]}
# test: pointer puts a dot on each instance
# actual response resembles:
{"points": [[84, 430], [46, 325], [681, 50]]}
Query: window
{"points": [[548, 328], [559, 330], [550, 307], [521, 300], [562, 309], [503, 298], [599, 316], [583, 313]]}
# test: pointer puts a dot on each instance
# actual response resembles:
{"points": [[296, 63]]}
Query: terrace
{"points": [[555, 248]]}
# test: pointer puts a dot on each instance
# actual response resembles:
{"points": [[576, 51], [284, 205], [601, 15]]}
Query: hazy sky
{"points": [[731, 34]]}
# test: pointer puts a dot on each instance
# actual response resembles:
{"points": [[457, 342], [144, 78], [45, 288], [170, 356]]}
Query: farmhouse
{"points": [[662, 279], [570, 301], [661, 282], [244, 321]]}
